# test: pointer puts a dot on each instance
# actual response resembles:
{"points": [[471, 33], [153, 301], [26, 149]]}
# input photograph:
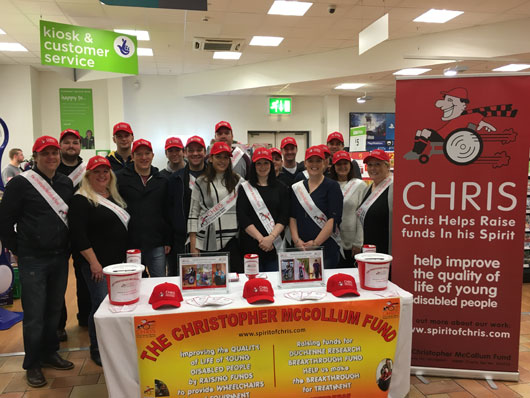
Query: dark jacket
{"points": [[288, 178], [40, 231], [148, 207], [117, 162], [67, 170]]}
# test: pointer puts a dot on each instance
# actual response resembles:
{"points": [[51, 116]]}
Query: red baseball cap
{"points": [[69, 131], [139, 143], [341, 155], [325, 149], [165, 294], [44, 142], [277, 151], [223, 124], [377, 154], [196, 139], [341, 284], [219, 147], [314, 151], [96, 161], [335, 136], [258, 289], [122, 127], [287, 141], [458, 92], [173, 142], [261, 153]]}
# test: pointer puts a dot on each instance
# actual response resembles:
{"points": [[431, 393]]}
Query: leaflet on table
{"points": [[204, 272], [314, 350], [302, 267]]}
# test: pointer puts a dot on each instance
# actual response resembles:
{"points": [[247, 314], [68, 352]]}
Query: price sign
{"points": [[358, 139], [280, 106]]}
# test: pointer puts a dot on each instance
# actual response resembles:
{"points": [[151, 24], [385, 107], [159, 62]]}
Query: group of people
{"points": [[216, 199]]}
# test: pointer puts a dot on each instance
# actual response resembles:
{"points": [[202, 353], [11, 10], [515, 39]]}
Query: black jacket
{"points": [[289, 179], [66, 170], [117, 162], [40, 231], [148, 207]]}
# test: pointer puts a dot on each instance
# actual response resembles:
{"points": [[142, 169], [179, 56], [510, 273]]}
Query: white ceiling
{"points": [[319, 50]]}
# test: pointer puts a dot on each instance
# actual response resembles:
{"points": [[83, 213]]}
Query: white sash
{"points": [[219, 209], [192, 182], [237, 154], [306, 174], [54, 200], [307, 203], [262, 211], [120, 212], [350, 187], [361, 211], [77, 174]]}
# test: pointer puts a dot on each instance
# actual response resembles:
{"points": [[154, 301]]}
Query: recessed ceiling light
{"points": [[226, 55], [12, 47], [296, 8], [2, 32], [512, 68], [349, 86], [265, 41], [411, 71], [140, 34], [145, 52], [438, 16]]}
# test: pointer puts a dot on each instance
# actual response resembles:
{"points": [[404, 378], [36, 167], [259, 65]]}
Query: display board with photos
{"points": [[300, 267], [204, 273], [380, 129]]}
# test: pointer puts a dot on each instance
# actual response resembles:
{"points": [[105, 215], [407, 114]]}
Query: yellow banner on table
{"points": [[313, 350]]}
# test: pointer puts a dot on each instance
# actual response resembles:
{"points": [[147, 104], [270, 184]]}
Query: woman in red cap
{"points": [[316, 209], [375, 212], [212, 221], [353, 189], [98, 227], [261, 212]]}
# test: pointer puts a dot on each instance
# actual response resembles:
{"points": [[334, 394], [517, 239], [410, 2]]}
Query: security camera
{"points": [[332, 8]]}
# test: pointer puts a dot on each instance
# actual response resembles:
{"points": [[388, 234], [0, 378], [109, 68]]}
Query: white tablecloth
{"points": [[117, 343]]}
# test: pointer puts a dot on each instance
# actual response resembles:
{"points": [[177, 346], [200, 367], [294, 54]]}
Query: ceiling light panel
{"points": [[12, 47], [2, 32], [349, 86], [294, 8], [512, 68], [226, 55], [270, 41], [438, 16], [145, 52], [142, 35], [411, 71]]}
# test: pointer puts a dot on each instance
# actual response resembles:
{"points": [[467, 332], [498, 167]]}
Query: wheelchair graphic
{"points": [[464, 146]]}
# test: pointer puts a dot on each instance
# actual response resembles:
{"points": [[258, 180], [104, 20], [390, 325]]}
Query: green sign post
{"points": [[86, 48], [280, 106], [77, 113]]}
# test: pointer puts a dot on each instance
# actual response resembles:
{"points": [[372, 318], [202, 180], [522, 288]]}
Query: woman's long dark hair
{"points": [[230, 179], [333, 173], [253, 176]]}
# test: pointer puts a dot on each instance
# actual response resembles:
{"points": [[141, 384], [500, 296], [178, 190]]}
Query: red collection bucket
{"points": [[123, 282], [373, 270]]}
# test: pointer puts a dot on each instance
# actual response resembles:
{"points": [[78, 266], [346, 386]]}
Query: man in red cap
{"points": [[179, 187], [289, 149], [36, 202], [240, 159], [175, 156], [73, 167], [123, 137], [145, 192], [335, 142]]}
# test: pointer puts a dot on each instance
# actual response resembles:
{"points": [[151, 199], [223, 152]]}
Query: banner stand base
{"points": [[464, 373]]}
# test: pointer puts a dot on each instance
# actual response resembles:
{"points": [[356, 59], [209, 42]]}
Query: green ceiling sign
{"points": [[86, 48], [279, 106]]}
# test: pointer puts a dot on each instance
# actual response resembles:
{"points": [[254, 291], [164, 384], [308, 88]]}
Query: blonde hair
{"points": [[86, 190]]}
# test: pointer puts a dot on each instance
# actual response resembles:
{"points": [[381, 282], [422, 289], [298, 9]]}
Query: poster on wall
{"points": [[380, 128], [77, 113], [459, 218], [344, 349]]}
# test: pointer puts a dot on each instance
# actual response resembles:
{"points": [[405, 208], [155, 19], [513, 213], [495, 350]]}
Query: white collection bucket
{"points": [[373, 270], [123, 282]]}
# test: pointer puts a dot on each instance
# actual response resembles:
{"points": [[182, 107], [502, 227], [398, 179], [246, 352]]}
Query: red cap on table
{"points": [[341, 284], [165, 294], [258, 289]]}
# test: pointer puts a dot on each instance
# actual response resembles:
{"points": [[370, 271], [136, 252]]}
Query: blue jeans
{"points": [[43, 282], [155, 261], [98, 292]]}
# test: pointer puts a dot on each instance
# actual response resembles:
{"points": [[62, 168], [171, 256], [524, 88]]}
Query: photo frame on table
{"points": [[204, 273], [301, 268]]}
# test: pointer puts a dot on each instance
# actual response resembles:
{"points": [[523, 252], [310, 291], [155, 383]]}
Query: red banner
{"points": [[461, 161]]}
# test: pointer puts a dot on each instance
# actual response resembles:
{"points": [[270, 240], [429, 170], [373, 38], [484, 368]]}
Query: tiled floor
{"points": [[86, 380]]}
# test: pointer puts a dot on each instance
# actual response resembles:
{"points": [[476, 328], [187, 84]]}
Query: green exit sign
{"points": [[280, 106]]}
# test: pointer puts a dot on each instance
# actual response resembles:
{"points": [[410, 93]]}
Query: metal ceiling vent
{"points": [[204, 44]]}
